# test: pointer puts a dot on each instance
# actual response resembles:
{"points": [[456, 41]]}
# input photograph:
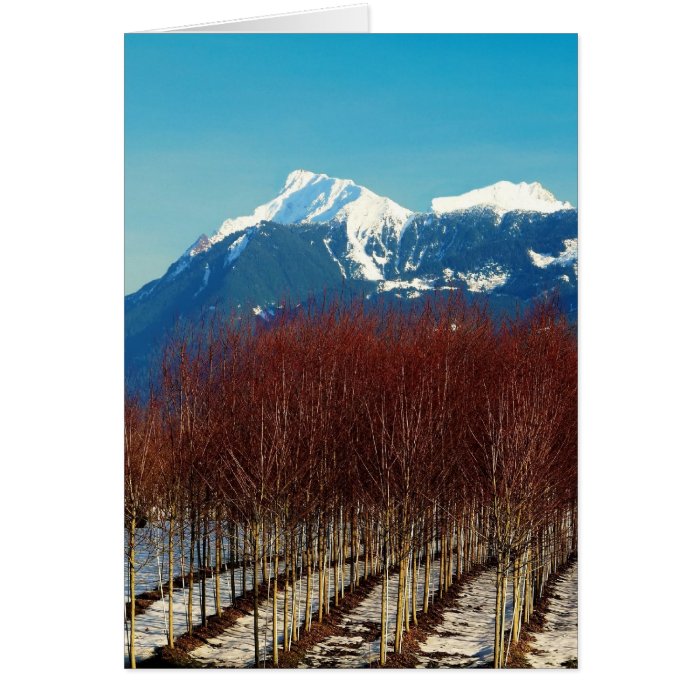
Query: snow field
{"points": [[558, 641], [152, 624], [235, 647], [152, 558], [351, 650], [463, 639], [465, 636]]}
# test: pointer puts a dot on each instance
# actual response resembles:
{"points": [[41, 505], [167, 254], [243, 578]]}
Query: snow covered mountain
{"points": [[320, 235], [316, 198], [502, 197]]}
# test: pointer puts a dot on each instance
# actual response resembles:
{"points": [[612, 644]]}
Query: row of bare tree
{"points": [[346, 436]]}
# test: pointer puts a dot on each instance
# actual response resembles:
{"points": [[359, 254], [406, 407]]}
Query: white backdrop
{"points": [[62, 297]]}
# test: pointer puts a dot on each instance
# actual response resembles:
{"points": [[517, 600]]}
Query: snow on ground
{"points": [[152, 569], [152, 557], [235, 647], [558, 642], [465, 637], [152, 624], [350, 650]]}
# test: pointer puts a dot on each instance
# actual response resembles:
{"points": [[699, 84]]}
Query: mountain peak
{"points": [[309, 197], [298, 179], [503, 196], [199, 246]]}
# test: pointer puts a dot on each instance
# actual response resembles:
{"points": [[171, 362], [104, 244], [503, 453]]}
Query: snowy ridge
{"points": [[503, 196], [371, 238], [374, 224], [317, 198]]}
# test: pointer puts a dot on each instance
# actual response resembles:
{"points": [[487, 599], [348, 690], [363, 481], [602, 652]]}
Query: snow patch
{"points": [[235, 249], [326, 242], [347, 649], [234, 648], [416, 283], [490, 277], [557, 643], [181, 265], [201, 245], [205, 279], [265, 313], [568, 257], [465, 636]]}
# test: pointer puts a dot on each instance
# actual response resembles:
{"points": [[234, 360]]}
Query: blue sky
{"points": [[213, 123]]}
